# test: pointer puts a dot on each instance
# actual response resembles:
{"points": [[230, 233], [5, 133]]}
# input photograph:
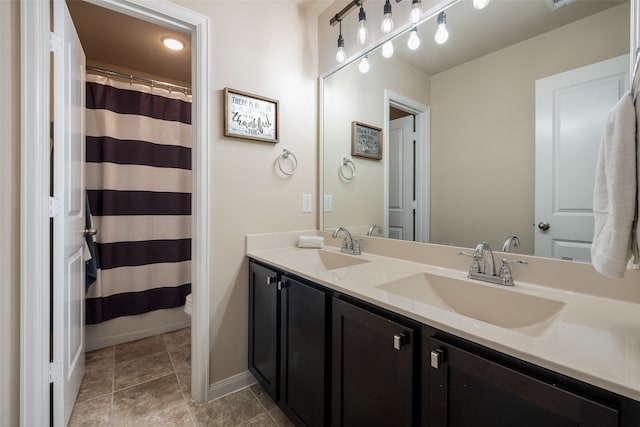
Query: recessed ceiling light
{"points": [[173, 44]]}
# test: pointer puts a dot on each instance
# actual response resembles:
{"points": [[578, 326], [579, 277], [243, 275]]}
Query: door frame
{"points": [[422, 114], [35, 233]]}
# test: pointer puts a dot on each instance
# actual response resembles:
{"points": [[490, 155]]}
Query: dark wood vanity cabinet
{"points": [[289, 343], [465, 388], [264, 321], [304, 359], [329, 359], [375, 374]]}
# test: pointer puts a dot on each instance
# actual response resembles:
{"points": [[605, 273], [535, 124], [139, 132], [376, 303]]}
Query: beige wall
{"points": [[264, 47], [493, 98], [358, 204], [9, 211], [267, 48]]}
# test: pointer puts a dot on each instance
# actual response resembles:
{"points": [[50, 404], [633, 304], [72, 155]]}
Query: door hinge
{"points": [[55, 42], [54, 207], [414, 204], [55, 372]]}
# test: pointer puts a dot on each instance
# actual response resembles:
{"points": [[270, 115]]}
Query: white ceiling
{"points": [[475, 33], [113, 38]]}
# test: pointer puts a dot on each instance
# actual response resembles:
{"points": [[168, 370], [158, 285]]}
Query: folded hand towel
{"points": [[310, 242], [614, 196]]}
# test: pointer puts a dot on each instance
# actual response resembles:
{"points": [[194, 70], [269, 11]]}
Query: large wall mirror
{"points": [[492, 134]]}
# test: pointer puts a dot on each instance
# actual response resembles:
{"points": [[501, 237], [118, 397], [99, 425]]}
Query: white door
{"points": [[571, 108], [68, 189], [401, 178]]}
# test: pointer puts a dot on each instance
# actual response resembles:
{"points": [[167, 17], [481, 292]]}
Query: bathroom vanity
{"points": [[346, 340]]}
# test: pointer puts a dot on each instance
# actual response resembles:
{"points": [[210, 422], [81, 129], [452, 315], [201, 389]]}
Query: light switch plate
{"points": [[306, 203], [328, 203]]}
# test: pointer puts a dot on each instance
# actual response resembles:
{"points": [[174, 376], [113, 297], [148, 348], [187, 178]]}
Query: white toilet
{"points": [[187, 305]]}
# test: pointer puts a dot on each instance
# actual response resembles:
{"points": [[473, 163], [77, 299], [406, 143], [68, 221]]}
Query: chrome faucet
{"points": [[511, 241], [487, 273], [483, 250], [373, 228], [349, 244]]}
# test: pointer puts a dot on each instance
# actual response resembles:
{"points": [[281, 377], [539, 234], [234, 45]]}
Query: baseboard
{"points": [[231, 385], [132, 328]]}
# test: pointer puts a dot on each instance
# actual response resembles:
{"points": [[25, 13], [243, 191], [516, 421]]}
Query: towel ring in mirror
{"points": [[350, 168]]}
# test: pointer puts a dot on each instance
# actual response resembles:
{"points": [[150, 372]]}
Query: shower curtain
{"points": [[138, 178]]}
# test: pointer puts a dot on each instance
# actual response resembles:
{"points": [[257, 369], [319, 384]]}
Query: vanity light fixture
{"points": [[442, 34], [387, 21], [172, 43], [414, 40], [362, 33], [480, 4], [341, 55], [364, 65], [387, 49], [416, 11]]}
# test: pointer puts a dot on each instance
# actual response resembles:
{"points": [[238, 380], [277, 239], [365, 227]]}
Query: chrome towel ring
{"points": [[349, 166], [294, 161]]}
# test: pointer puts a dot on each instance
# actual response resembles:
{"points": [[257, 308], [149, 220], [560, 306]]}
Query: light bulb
{"points": [[387, 49], [416, 11], [414, 40], [364, 65], [442, 34], [480, 4], [341, 55], [387, 24], [387, 21], [362, 33]]}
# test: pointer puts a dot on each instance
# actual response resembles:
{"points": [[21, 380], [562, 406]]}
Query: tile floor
{"points": [[147, 383]]}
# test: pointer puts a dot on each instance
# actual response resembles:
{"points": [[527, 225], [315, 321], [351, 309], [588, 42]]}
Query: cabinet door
{"points": [[372, 363], [468, 390], [263, 327], [303, 390]]}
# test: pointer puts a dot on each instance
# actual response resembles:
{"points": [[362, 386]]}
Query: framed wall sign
{"points": [[249, 116], [366, 141]]}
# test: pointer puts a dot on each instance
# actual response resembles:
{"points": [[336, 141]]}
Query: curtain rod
{"points": [[131, 77]]}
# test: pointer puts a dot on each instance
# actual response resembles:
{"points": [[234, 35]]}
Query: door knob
{"points": [[89, 231], [543, 225]]}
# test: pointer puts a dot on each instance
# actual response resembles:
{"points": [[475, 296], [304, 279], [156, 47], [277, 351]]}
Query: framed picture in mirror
{"points": [[366, 141]]}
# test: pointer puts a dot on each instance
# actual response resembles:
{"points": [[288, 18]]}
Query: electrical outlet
{"points": [[306, 203], [328, 203]]}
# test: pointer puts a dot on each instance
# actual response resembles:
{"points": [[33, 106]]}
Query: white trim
{"points": [[34, 213], [231, 385], [423, 148], [320, 203], [35, 234]]}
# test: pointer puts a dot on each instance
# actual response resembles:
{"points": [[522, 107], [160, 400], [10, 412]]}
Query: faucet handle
{"points": [[506, 261], [505, 271], [475, 264]]}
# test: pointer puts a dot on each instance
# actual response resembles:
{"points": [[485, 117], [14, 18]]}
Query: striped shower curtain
{"points": [[138, 178]]}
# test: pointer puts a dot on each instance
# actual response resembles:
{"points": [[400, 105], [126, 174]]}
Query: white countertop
{"points": [[593, 339]]}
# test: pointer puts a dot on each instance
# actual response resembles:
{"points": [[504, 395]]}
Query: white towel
{"points": [[310, 242], [614, 196]]}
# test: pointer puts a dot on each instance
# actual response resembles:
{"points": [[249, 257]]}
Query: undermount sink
{"points": [[508, 309], [325, 259], [333, 260]]}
